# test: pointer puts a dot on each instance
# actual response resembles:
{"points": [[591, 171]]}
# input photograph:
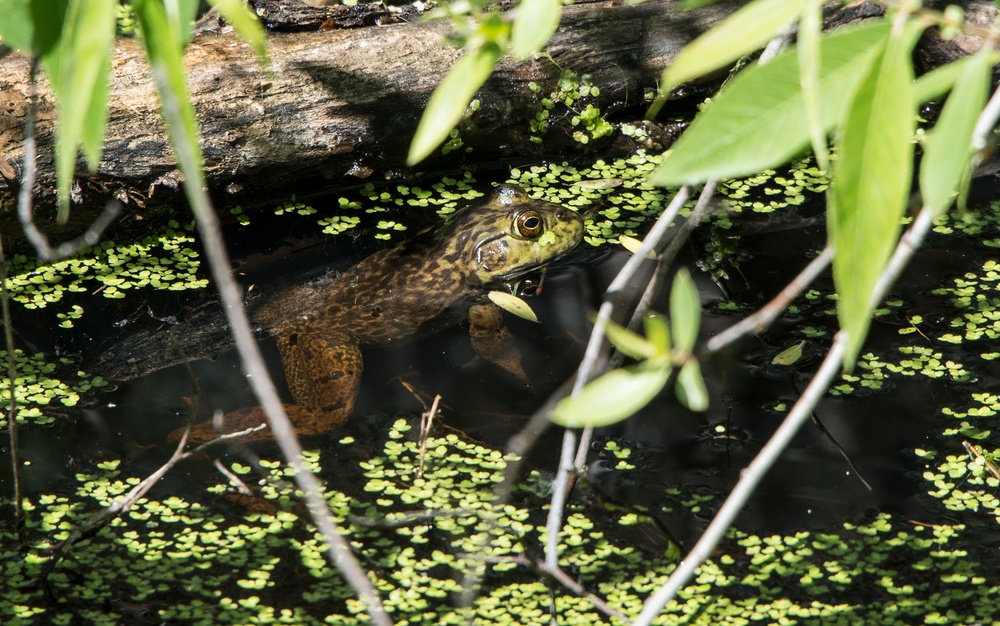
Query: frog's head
{"points": [[510, 235]]}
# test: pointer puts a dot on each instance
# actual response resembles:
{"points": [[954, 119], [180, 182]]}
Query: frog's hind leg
{"points": [[323, 371]]}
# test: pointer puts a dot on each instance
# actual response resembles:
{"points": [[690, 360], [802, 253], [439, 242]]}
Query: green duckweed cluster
{"points": [[420, 533], [772, 190], [164, 262], [574, 96], [42, 387], [872, 372]]}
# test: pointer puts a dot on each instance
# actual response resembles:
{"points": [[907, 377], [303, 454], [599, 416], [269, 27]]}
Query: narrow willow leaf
{"points": [[78, 68], [245, 23], [451, 98], [685, 312], [533, 27], [612, 397], [948, 149], [810, 31], [29, 28], [872, 183], [939, 80], [599, 183], [759, 120], [657, 332], [742, 32], [632, 245], [165, 50], [180, 15], [690, 387], [789, 356], [512, 304], [630, 344]]}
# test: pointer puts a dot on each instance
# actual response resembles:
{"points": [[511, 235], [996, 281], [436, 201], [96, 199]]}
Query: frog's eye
{"points": [[528, 224]]}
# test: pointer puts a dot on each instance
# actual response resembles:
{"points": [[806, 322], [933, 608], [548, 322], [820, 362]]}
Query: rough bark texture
{"points": [[341, 105], [343, 102]]}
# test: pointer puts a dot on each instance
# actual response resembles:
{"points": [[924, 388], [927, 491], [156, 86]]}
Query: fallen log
{"points": [[343, 103], [338, 106]]}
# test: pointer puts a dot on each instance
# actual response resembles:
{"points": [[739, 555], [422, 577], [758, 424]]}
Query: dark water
{"points": [[811, 487]]}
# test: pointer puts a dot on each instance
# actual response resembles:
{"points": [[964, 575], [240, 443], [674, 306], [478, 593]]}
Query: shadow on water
{"points": [[811, 487]]}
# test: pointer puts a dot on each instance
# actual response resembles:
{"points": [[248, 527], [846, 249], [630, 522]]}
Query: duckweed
{"points": [[41, 387], [419, 535]]}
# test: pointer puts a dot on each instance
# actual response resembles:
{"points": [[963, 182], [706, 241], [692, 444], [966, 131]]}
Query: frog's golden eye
{"points": [[528, 224]]}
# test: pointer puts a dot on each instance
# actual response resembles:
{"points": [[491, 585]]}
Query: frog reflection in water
{"points": [[388, 296]]}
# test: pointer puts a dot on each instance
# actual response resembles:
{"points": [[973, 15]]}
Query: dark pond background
{"points": [[811, 487]]}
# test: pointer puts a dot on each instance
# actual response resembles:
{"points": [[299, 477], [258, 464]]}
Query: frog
{"points": [[390, 296]]}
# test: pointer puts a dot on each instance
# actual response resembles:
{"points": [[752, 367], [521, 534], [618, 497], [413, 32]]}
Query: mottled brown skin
{"points": [[390, 296]]}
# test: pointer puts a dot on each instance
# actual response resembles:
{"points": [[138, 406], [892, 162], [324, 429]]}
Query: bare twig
{"points": [[426, 422], [589, 366], [776, 445], [766, 315], [561, 577], [186, 147], [664, 262], [232, 478], [25, 201], [8, 333]]}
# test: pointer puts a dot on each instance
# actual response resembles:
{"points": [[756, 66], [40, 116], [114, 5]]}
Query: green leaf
{"points": [[180, 16], [33, 27], [939, 80], [657, 332], [685, 312], [165, 49], [613, 396], [451, 98], [690, 387], [742, 32], [871, 183], [533, 27], [948, 149], [810, 32], [789, 356], [512, 304], [78, 68], [245, 23], [628, 343], [759, 120]]}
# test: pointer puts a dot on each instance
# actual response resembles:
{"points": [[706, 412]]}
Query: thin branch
{"points": [[752, 475], [589, 366], [765, 316], [8, 333], [561, 577], [186, 147], [25, 200]]}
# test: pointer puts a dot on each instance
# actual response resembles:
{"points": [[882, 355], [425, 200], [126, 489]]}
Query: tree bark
{"points": [[338, 106], [344, 103]]}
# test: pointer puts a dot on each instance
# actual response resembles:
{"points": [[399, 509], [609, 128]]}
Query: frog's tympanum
{"points": [[389, 296]]}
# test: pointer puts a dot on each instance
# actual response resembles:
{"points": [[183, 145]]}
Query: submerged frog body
{"points": [[392, 294]]}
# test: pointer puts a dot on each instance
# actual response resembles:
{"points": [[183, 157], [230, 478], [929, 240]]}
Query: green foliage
{"points": [[451, 98], [74, 40], [534, 23], [872, 185], [948, 147], [183, 560], [44, 389], [485, 36], [859, 84], [760, 121], [742, 32], [621, 392]]}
